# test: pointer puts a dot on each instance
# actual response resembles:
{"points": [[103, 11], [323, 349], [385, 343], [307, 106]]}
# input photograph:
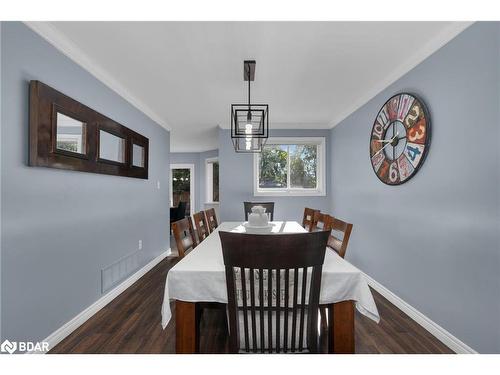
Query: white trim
{"points": [[61, 333], [321, 169], [52, 35], [192, 194], [209, 180], [433, 328], [419, 56]]}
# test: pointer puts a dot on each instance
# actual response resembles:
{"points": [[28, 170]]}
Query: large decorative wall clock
{"points": [[400, 139]]}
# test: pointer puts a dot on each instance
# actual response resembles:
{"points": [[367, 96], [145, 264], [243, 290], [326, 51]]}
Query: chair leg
{"points": [[198, 314], [323, 311]]}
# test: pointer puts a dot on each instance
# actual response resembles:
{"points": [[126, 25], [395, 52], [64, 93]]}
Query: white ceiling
{"points": [[185, 75]]}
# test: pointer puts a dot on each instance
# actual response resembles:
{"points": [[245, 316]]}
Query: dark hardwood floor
{"points": [[131, 324]]}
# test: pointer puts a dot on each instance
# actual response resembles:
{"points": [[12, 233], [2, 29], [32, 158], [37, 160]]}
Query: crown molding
{"points": [[446, 35], [71, 50]]}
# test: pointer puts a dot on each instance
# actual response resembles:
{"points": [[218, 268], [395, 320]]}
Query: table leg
{"points": [[186, 327], [341, 318]]}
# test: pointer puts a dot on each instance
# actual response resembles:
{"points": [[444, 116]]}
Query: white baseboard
{"points": [[433, 328], [60, 334]]}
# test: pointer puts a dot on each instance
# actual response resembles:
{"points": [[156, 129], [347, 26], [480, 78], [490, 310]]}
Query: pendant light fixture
{"points": [[249, 122]]}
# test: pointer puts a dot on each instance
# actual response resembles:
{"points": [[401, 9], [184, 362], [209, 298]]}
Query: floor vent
{"points": [[119, 271]]}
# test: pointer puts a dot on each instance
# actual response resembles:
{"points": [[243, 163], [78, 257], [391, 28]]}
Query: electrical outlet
{"points": [[140, 244]]}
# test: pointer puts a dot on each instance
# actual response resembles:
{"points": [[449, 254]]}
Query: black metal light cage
{"points": [[249, 145], [249, 122], [258, 118]]}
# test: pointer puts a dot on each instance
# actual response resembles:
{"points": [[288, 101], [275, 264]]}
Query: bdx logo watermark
{"points": [[24, 346]]}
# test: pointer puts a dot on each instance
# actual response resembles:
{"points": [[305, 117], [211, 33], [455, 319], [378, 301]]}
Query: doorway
{"points": [[182, 186]]}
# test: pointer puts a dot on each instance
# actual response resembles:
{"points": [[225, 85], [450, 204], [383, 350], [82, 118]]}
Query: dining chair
{"points": [[211, 219], [201, 225], [269, 206], [177, 213], [322, 221], [308, 218], [339, 245], [184, 235], [273, 287]]}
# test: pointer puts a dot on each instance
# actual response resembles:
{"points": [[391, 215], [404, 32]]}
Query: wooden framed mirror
{"points": [[66, 134]]}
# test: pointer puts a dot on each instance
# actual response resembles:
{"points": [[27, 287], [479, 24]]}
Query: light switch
{"points": [[158, 184]]}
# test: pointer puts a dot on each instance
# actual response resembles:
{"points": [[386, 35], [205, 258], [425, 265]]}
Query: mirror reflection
{"points": [[111, 147], [71, 134], [138, 156]]}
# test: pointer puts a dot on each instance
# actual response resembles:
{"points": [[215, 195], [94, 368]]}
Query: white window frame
{"points": [[191, 184], [209, 180], [320, 190]]}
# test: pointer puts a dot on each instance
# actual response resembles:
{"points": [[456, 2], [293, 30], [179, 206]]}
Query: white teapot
{"points": [[258, 217]]}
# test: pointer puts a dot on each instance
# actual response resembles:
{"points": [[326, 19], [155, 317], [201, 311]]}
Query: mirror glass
{"points": [[111, 147], [71, 134], [138, 156]]}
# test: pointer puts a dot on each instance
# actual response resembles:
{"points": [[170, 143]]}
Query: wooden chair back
{"points": [[200, 223], [211, 219], [322, 221], [339, 245], [184, 235], [273, 286], [308, 219], [269, 206]]}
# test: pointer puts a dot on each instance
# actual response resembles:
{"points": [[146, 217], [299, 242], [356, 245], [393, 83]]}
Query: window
{"points": [[290, 166], [212, 172]]}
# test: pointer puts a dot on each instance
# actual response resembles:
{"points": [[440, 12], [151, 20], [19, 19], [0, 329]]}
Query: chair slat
{"points": [[302, 308], [245, 316], [261, 305], [252, 309], [270, 305], [285, 325], [278, 310], [294, 303]]}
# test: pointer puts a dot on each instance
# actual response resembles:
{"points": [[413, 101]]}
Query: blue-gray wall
{"points": [[434, 241], [198, 159], [236, 180], [60, 228]]}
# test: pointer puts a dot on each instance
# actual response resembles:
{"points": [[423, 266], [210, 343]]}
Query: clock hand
{"points": [[389, 140], [379, 151], [382, 149]]}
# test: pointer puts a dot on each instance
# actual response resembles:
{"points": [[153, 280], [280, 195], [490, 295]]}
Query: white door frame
{"points": [[191, 184]]}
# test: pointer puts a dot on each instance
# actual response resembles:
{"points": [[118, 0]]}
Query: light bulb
{"points": [[248, 129]]}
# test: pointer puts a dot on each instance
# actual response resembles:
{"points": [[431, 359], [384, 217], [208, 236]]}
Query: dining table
{"points": [[199, 277]]}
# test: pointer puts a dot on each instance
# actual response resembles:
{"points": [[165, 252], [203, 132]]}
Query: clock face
{"points": [[400, 139]]}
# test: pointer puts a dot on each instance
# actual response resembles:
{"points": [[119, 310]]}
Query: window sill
{"points": [[289, 193], [212, 203]]}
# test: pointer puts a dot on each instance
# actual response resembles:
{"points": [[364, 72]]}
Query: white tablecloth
{"points": [[200, 276]]}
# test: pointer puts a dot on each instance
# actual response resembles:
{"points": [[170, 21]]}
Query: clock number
{"points": [[416, 133], [412, 116], [413, 152], [393, 172], [382, 117], [377, 130]]}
